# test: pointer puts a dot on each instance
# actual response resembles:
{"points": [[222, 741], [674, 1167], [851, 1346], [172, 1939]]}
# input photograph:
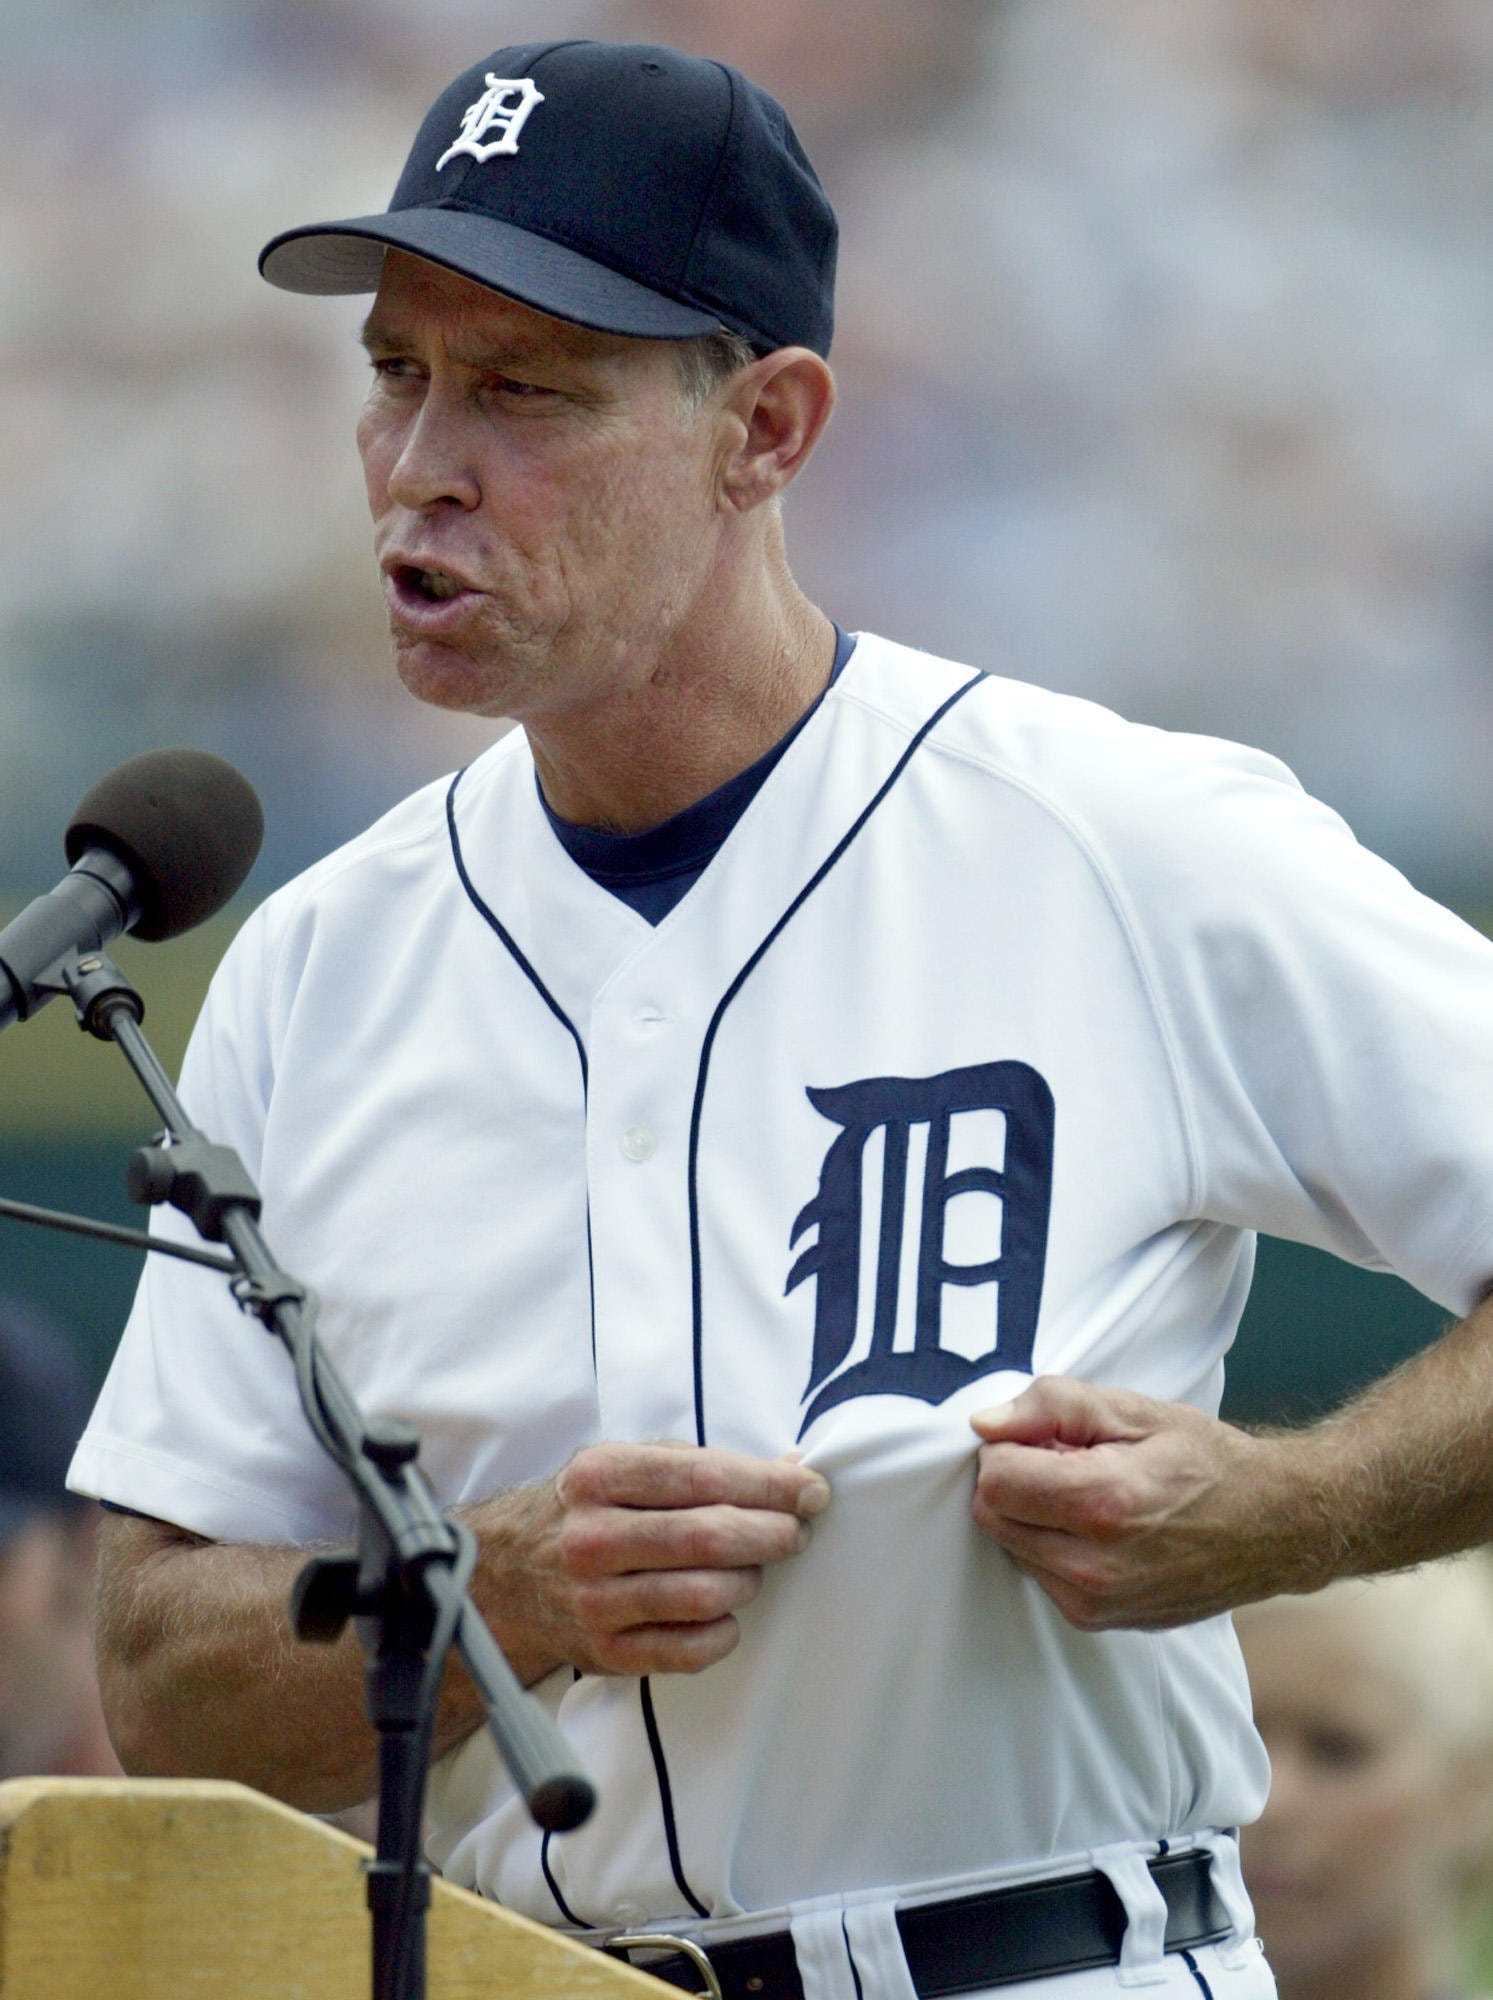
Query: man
{"points": [[785, 1064], [51, 1724]]}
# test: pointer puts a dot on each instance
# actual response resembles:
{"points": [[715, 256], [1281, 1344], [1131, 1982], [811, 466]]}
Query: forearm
{"points": [[1401, 1474], [202, 1675], [631, 1559]]}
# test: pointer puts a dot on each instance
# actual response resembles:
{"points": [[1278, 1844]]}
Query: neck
{"points": [[731, 682]]}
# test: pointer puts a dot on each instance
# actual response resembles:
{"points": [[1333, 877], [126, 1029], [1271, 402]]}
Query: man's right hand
{"points": [[635, 1558], [632, 1559]]}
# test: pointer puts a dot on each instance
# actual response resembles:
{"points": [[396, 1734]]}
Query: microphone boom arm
{"points": [[113, 1232]]}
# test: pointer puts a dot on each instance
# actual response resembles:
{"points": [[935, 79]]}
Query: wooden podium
{"points": [[177, 1889]]}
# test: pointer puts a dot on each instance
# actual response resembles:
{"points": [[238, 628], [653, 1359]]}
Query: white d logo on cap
{"points": [[503, 107]]}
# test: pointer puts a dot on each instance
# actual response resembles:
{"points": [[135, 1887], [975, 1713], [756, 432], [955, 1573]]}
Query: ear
{"points": [[780, 405]]}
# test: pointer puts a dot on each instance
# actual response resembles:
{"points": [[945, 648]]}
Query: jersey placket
{"points": [[643, 1049]]}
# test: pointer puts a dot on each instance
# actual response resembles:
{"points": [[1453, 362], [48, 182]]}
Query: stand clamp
{"points": [[203, 1180]]}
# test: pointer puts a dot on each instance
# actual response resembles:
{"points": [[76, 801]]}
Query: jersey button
{"points": [[639, 1142], [649, 1018]]}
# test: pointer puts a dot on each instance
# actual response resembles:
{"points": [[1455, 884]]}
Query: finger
{"points": [[1049, 1556], [666, 1649], [665, 1597], [1057, 1410], [1092, 1592], [613, 1541], [1077, 1492], [1082, 1609], [668, 1475], [1040, 1552]]}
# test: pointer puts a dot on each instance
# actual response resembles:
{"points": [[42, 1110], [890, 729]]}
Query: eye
{"points": [[393, 367], [509, 385]]}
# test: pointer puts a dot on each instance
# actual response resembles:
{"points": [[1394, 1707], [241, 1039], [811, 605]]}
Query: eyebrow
{"points": [[371, 334], [491, 352]]}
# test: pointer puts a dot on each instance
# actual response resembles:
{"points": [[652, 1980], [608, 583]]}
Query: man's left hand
{"points": [[1132, 1512]]}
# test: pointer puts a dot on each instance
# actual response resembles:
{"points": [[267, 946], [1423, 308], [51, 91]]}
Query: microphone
{"points": [[158, 845]]}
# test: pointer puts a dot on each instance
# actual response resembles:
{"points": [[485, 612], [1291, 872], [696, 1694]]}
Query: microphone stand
{"points": [[405, 1585]]}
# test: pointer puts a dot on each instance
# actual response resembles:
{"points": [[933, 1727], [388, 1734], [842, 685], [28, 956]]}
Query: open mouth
{"points": [[435, 586]]}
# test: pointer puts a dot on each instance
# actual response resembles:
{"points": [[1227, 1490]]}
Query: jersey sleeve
{"points": [[199, 1422], [1330, 1028]]}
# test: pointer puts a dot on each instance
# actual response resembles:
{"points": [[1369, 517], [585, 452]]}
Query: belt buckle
{"points": [[624, 1941]]}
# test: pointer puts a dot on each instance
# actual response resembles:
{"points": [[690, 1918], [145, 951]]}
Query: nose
{"points": [[434, 460]]}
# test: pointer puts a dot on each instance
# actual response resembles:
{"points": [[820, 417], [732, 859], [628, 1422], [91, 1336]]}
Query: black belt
{"points": [[994, 1938]]}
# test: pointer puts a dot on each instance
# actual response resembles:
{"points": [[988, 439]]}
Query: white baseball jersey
{"points": [[982, 1045]]}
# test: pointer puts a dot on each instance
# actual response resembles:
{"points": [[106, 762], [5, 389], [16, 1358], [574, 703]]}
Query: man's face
{"points": [[543, 500]]}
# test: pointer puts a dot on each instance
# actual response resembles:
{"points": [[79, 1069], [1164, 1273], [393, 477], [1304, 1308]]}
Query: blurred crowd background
{"points": [[1166, 375]]}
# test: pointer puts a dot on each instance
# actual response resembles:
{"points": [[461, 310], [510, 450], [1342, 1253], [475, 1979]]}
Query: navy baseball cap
{"points": [[44, 1404], [619, 185]]}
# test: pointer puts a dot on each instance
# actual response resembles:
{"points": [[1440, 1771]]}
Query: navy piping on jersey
{"points": [[666, 1798], [544, 1859], [522, 963], [1193, 1967], [553, 1886], [549, 1000], [565, 1021], [855, 1971], [697, 1304]]}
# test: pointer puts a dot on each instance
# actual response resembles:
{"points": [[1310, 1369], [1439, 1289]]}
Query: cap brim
{"points": [[342, 257]]}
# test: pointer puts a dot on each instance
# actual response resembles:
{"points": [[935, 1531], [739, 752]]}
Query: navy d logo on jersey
{"points": [[963, 1162]]}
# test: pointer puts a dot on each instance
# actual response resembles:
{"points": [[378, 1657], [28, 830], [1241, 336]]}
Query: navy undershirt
{"points": [[651, 871]]}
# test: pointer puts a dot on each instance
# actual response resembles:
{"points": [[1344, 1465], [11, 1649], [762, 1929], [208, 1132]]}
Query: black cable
{"points": [[442, 1634]]}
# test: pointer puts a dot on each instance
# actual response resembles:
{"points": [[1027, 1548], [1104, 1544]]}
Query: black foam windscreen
{"points": [[186, 823]]}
